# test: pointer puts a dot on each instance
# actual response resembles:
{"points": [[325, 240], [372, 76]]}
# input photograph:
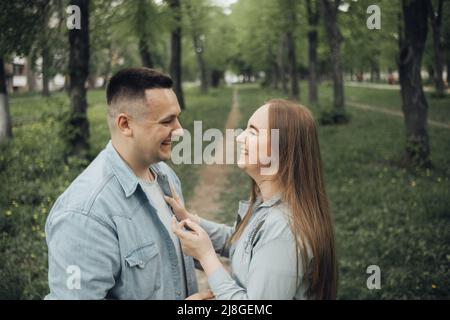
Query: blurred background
{"points": [[374, 73]]}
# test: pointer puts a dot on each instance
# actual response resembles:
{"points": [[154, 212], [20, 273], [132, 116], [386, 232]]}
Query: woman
{"points": [[282, 245]]}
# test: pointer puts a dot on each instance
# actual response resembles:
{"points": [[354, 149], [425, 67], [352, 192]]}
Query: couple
{"points": [[121, 231]]}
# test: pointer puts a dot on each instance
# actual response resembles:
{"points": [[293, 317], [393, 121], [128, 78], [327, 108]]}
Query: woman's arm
{"points": [[272, 269]]}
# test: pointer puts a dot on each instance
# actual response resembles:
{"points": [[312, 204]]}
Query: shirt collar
{"points": [[126, 177], [243, 204]]}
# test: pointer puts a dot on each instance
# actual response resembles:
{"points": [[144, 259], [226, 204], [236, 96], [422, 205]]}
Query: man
{"points": [[109, 234]]}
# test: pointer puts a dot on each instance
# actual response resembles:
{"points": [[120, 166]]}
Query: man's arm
{"points": [[83, 257]]}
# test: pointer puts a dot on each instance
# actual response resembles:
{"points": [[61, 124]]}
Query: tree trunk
{"points": [[330, 11], [198, 47], [175, 52], [216, 76], [108, 68], [31, 80], [436, 21], [292, 54], [5, 118], [283, 67], [448, 70], [144, 52], [414, 102], [45, 71], [79, 71], [313, 21]]}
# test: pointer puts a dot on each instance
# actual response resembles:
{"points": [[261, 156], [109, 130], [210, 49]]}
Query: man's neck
{"points": [[140, 170]]}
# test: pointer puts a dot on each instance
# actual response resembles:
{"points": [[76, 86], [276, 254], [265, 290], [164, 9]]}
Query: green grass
{"points": [[391, 99], [384, 215]]}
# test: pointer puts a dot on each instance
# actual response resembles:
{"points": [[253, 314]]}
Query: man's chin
{"points": [[165, 155]]}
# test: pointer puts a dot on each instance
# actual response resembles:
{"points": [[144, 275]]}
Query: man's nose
{"points": [[177, 125]]}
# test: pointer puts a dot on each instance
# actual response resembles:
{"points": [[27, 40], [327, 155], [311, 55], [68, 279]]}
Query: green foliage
{"points": [[20, 22]]}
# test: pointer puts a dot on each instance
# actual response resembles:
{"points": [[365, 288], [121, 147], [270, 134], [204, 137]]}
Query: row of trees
{"points": [[277, 41]]}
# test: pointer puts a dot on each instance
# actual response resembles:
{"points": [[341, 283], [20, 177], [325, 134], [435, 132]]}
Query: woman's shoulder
{"points": [[277, 223]]}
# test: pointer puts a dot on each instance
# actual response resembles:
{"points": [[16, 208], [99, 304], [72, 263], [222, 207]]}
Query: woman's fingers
{"points": [[170, 201], [174, 192], [178, 229], [194, 226]]}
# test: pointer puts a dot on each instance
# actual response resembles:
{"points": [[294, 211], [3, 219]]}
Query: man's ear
{"points": [[123, 124]]}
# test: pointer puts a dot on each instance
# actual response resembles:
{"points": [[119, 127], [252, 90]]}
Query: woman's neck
{"points": [[268, 187]]}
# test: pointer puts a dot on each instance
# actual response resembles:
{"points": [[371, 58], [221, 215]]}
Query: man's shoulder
{"points": [[96, 185]]}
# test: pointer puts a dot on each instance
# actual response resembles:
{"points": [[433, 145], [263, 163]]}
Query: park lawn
{"points": [[391, 99], [34, 174], [384, 215]]}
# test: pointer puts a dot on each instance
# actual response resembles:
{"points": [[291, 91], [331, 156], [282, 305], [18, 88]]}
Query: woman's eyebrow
{"points": [[253, 127]]}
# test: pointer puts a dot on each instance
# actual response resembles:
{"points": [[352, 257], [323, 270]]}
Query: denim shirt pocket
{"points": [[144, 269]]}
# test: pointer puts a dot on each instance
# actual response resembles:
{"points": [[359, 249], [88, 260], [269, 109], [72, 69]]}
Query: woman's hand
{"points": [[178, 208], [195, 243], [204, 295]]}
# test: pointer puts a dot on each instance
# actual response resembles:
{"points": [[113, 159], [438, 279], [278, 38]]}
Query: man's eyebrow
{"points": [[169, 117]]}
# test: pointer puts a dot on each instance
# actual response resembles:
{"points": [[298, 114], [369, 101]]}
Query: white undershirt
{"points": [[154, 192]]}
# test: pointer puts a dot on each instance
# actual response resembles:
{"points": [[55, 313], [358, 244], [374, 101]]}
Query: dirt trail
{"points": [[211, 184]]}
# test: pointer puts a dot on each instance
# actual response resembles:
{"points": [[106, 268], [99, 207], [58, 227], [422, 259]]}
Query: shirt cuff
{"points": [[219, 279]]}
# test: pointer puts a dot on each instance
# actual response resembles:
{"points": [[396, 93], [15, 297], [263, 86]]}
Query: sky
{"points": [[223, 3]]}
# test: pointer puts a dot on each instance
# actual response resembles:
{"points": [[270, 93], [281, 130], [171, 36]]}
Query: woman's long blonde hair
{"points": [[303, 190]]}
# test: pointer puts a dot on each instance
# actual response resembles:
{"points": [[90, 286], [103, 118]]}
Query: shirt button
{"points": [[178, 293], [141, 264]]}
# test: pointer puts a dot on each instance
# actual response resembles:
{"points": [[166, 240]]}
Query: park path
{"points": [[363, 106], [212, 182]]}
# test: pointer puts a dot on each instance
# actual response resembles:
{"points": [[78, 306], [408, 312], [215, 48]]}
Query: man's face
{"points": [[153, 129]]}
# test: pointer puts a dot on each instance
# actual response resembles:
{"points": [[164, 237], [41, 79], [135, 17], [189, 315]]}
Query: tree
{"points": [[290, 9], [436, 23], [196, 14], [19, 21], [50, 44], [312, 8], [146, 20], [176, 50], [78, 124], [415, 107], [330, 16]]}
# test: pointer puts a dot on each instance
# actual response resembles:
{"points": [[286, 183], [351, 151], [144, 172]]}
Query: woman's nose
{"points": [[241, 137]]}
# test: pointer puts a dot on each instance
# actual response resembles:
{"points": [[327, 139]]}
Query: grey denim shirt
{"points": [[263, 260], [105, 239]]}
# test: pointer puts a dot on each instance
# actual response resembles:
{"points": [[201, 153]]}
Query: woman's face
{"points": [[255, 142]]}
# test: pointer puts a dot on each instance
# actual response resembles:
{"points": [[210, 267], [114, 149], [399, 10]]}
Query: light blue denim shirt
{"points": [[263, 260], [105, 239]]}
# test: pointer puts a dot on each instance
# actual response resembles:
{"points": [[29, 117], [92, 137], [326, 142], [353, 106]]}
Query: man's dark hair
{"points": [[131, 83]]}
